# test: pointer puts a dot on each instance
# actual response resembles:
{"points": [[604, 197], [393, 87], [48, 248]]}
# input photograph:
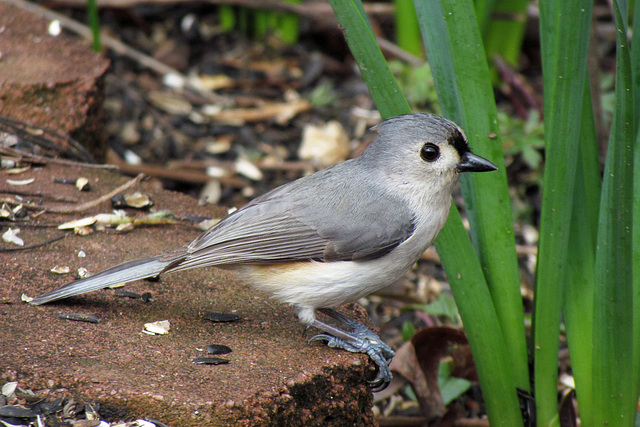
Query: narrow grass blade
{"points": [[564, 33], [635, 68], [94, 24], [227, 18], [260, 23], [407, 29], [289, 26], [614, 390], [505, 31], [374, 68], [454, 48], [484, 9], [490, 351], [578, 294]]}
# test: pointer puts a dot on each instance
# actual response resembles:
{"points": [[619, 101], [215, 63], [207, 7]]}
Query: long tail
{"points": [[123, 273]]}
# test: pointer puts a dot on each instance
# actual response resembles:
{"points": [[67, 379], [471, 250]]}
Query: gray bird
{"points": [[334, 236]]}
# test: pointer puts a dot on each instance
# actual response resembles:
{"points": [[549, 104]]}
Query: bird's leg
{"points": [[357, 339]]}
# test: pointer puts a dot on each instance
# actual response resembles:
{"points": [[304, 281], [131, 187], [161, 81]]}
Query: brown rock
{"points": [[52, 82], [273, 378]]}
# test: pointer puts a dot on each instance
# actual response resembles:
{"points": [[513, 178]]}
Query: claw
{"points": [[358, 340], [322, 337]]}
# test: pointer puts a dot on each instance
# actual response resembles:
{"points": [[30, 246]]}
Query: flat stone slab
{"points": [[273, 378], [51, 81]]}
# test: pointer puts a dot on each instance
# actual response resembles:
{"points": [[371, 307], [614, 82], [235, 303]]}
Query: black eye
{"points": [[430, 152]]}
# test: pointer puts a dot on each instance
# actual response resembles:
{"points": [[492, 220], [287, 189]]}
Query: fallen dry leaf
{"points": [[418, 361]]}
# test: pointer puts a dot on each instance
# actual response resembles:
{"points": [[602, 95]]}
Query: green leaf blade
{"points": [[614, 389], [564, 35], [454, 48]]}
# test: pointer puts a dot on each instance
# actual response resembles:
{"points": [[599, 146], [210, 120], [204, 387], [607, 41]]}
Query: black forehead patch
{"points": [[459, 142]]}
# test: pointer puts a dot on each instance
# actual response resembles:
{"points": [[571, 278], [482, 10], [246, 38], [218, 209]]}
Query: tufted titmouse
{"points": [[334, 236]]}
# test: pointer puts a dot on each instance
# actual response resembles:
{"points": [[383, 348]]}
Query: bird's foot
{"points": [[358, 339]]}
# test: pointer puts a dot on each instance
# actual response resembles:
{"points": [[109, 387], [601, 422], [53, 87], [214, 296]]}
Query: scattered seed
{"points": [[171, 103], [20, 182], [160, 327], [247, 169], [16, 411], [11, 236], [218, 349], [55, 28], [221, 317], [210, 361], [146, 297], [9, 388], [82, 184], [80, 317], [61, 269], [82, 273], [135, 200], [83, 231]]}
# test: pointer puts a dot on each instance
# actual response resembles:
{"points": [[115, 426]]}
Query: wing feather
{"points": [[302, 221]]}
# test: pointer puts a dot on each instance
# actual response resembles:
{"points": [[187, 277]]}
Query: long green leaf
{"points": [[564, 33], [374, 68], [407, 29], [484, 9], [635, 68], [454, 48], [614, 390], [481, 324], [578, 296], [505, 32]]}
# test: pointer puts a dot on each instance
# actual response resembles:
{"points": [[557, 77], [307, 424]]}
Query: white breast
{"points": [[311, 285]]}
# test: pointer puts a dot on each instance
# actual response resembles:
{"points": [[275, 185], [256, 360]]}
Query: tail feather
{"points": [[123, 273]]}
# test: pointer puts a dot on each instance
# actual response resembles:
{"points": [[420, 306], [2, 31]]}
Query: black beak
{"points": [[472, 163]]}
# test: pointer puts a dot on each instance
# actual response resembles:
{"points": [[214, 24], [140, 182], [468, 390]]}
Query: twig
{"points": [[301, 165], [394, 50], [522, 94], [53, 197], [34, 135], [78, 207], [88, 205], [23, 156], [181, 175], [35, 245]]}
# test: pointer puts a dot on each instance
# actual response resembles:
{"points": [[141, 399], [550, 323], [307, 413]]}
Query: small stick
{"points": [[23, 156], [78, 207], [88, 205], [35, 245]]}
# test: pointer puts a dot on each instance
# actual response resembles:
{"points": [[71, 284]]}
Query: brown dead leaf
{"points": [[419, 361]]}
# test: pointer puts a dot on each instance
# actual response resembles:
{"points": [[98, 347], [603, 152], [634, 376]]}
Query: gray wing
{"points": [[325, 217]]}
